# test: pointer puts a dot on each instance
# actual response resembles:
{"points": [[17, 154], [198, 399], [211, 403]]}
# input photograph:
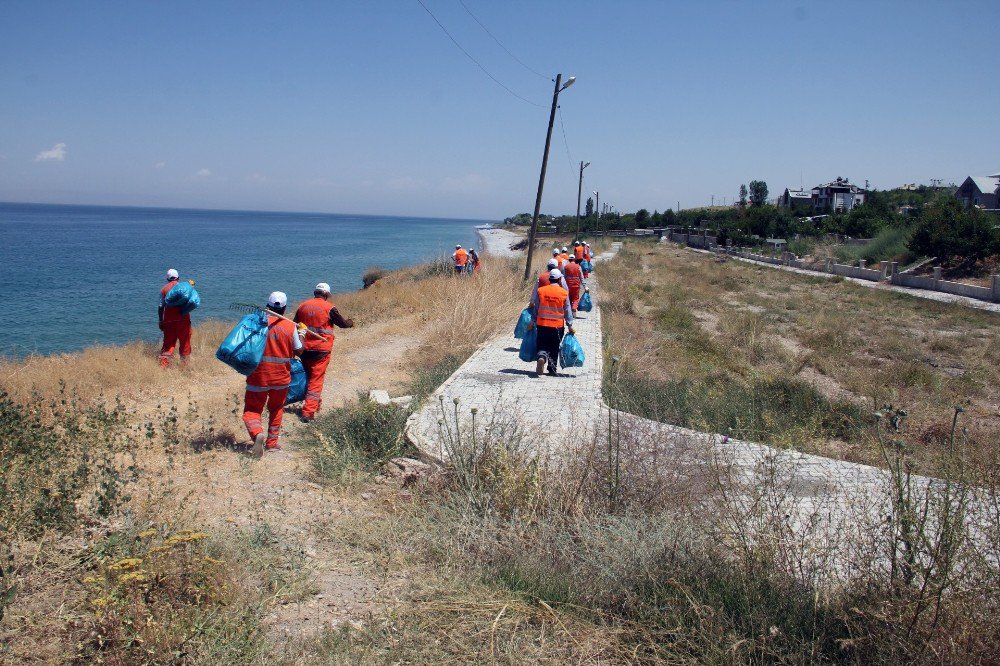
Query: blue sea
{"points": [[74, 276]]}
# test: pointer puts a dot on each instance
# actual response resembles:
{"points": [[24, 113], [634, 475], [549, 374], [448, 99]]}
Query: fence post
{"points": [[894, 272], [883, 267], [937, 276], [996, 288], [829, 265], [862, 263]]}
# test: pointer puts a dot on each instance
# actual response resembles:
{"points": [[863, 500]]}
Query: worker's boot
{"points": [[540, 365], [258, 445]]}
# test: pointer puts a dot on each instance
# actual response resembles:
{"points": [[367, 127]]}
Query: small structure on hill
{"points": [[837, 196], [980, 191]]}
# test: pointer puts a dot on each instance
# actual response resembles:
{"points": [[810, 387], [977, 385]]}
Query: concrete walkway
{"points": [[544, 412]]}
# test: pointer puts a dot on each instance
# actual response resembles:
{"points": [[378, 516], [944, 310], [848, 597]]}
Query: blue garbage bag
{"points": [[243, 348], [297, 389], [523, 322], [571, 352], [529, 346], [586, 303], [184, 296], [587, 266]]}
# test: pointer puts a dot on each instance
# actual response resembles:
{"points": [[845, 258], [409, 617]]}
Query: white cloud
{"points": [[56, 153], [159, 165], [203, 173]]}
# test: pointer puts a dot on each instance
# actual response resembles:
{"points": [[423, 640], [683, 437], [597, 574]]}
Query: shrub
{"points": [[890, 244], [372, 275], [946, 230]]}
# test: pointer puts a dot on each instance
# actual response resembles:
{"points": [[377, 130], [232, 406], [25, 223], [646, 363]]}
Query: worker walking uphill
{"points": [[268, 385], [574, 281], [579, 251], [319, 316], [461, 258], [176, 326], [552, 313]]}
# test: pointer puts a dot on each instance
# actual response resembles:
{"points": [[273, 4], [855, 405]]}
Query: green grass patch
{"points": [[890, 244]]}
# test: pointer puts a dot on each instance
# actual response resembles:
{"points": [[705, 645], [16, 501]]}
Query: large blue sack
{"points": [[184, 296], [529, 346], [297, 389], [587, 266], [586, 303], [523, 322], [243, 348], [571, 352]]}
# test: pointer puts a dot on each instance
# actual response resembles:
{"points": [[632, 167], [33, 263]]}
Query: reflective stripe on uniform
{"points": [[275, 359], [321, 331], [547, 312], [262, 389]]}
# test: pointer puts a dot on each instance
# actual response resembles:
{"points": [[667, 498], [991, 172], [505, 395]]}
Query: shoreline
{"points": [[497, 242]]}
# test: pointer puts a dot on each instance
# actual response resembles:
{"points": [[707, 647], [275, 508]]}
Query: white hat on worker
{"points": [[555, 250], [458, 247], [277, 299], [172, 274], [564, 249], [324, 287], [553, 263], [555, 275]]}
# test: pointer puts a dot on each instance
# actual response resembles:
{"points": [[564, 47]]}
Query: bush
{"points": [[946, 230], [891, 244], [372, 275]]}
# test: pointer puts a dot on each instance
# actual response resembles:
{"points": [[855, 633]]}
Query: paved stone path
{"points": [[508, 395], [822, 502]]}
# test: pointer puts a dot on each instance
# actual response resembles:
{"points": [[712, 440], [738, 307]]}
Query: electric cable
{"points": [[478, 64], [487, 30]]}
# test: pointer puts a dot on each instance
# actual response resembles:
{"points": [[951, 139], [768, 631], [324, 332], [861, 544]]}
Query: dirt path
{"points": [[223, 489]]}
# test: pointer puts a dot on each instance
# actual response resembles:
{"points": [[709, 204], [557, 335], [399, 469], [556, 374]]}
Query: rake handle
{"points": [[312, 333]]}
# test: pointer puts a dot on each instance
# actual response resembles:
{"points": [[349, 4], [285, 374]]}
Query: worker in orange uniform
{"points": [[320, 316], [176, 326], [268, 385], [552, 313], [473, 267], [563, 257], [574, 282], [588, 256], [578, 251], [461, 258]]}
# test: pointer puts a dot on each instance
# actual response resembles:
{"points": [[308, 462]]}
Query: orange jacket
{"points": [[551, 306], [587, 253], [573, 274], [315, 314], [461, 257], [578, 251], [274, 371], [171, 315], [563, 258]]}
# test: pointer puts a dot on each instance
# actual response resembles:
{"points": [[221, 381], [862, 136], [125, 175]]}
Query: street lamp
{"points": [[579, 192], [597, 208], [541, 176]]}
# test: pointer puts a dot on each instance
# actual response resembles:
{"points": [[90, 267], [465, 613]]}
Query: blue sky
{"points": [[368, 107]]}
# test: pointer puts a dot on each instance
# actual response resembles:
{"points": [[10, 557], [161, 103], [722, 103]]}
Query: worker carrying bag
{"points": [[586, 303], [243, 348], [297, 388], [523, 322], [183, 295], [529, 346], [571, 352], [586, 266]]}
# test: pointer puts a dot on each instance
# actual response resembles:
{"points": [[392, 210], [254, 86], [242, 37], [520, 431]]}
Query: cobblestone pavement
{"points": [[547, 412]]}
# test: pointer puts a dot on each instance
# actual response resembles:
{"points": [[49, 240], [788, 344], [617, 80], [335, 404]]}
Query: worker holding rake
{"points": [[319, 315]]}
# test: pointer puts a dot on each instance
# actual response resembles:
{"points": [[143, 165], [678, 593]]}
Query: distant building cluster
{"points": [[837, 196]]}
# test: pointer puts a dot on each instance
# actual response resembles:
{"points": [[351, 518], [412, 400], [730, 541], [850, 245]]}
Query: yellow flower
{"points": [[92, 580], [212, 560], [126, 564], [100, 602], [186, 536], [134, 577], [145, 534]]}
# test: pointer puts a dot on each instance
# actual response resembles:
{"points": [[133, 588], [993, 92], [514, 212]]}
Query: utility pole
{"points": [[579, 193], [541, 175]]}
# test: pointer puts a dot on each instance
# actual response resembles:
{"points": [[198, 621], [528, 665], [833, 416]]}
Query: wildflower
{"points": [[185, 536], [91, 580], [145, 534], [126, 564], [133, 577], [212, 560]]}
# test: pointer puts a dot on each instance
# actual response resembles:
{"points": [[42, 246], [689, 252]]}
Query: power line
{"points": [[487, 30], [572, 164], [469, 56]]}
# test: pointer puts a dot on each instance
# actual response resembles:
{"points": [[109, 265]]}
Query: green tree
{"points": [[641, 216], [758, 192], [743, 196], [947, 231], [668, 216], [590, 206]]}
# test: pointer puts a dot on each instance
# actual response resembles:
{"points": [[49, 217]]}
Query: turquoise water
{"points": [[73, 276]]}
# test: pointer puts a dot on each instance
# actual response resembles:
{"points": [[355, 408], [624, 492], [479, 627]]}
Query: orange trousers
{"points": [[575, 294], [253, 409], [175, 333], [315, 365]]}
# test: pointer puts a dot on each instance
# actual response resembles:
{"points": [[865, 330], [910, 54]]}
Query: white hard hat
{"points": [[322, 286], [458, 247], [555, 250], [277, 299], [172, 274], [564, 248], [555, 275], [553, 264]]}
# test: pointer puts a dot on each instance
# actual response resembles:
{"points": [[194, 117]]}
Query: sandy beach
{"points": [[498, 241]]}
